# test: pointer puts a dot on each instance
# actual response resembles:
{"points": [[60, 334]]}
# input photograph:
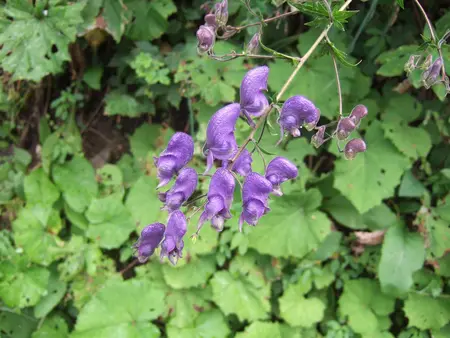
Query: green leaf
{"points": [[341, 55], [76, 180], [425, 312], [21, 285], [365, 305], [195, 272], [55, 292], [110, 222], [209, 324], [128, 315], [17, 325], [53, 327], [116, 15], [400, 3], [261, 330], [234, 294], [149, 137], [186, 305], [438, 235], [367, 180], [150, 69], [35, 43], [293, 227], [118, 103], [393, 62], [402, 254], [411, 186], [93, 77]]}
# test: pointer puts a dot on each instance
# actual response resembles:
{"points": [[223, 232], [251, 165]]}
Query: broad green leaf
{"points": [[209, 324], [298, 310], [393, 62], [17, 325], [438, 235], [293, 227], [402, 254], [116, 15], [234, 294], [21, 285], [365, 305], [129, 305], [186, 305], [110, 223], [261, 330], [194, 273], [426, 312], [76, 180], [373, 175], [35, 43], [55, 292], [93, 77], [442, 333], [53, 327], [411, 186], [118, 103]]}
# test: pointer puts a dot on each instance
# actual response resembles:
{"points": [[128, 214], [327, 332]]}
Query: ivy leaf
{"points": [[76, 180], [402, 254], [35, 42], [209, 324], [21, 285], [55, 291], [129, 314], [425, 312], [110, 223], [261, 330], [294, 227], [194, 272], [53, 327], [235, 294], [365, 305], [367, 180]]}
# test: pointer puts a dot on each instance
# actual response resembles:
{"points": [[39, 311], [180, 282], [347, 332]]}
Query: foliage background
{"points": [[91, 90]]}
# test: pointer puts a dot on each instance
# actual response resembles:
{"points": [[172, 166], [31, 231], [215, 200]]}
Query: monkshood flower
{"points": [[220, 197], [206, 37], [149, 240], [183, 188], [280, 170], [297, 112], [344, 128], [353, 147], [319, 138], [253, 100], [220, 140], [178, 153], [253, 45], [255, 195], [431, 74], [210, 20], [358, 113], [243, 164], [221, 13], [173, 244]]}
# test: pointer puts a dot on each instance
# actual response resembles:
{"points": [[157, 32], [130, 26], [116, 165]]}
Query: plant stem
{"points": [[276, 17], [433, 36], [232, 56], [285, 87], [338, 82]]}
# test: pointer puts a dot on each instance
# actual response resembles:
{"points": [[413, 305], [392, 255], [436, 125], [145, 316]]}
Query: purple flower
{"points": [[149, 240], [173, 244], [255, 195], [344, 128], [297, 112], [220, 197], [280, 170], [243, 164], [178, 153], [430, 76], [318, 138], [206, 36], [184, 187], [222, 13], [220, 140], [253, 45], [358, 113], [353, 147], [210, 20], [253, 100]]}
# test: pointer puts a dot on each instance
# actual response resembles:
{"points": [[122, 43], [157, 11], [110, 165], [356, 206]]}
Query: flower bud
{"points": [[149, 240], [353, 147], [359, 112], [430, 76], [222, 13], [253, 45], [344, 128], [318, 138], [280, 170], [206, 36], [173, 243]]}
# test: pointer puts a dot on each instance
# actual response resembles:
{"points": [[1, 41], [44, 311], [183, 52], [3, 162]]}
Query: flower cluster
{"points": [[296, 113]]}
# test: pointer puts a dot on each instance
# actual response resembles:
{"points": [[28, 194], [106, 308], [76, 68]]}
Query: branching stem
{"points": [[338, 82], [276, 17]]}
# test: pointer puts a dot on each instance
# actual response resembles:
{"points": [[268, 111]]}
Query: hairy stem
{"points": [[285, 87], [276, 17], [338, 82], [233, 55]]}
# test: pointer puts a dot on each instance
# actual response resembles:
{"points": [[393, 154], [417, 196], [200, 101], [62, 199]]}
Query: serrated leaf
{"points": [[261, 330], [402, 254], [116, 16], [393, 61], [186, 305], [292, 228], [425, 312], [53, 327], [55, 291], [110, 223], [76, 180], [195, 272], [209, 324], [35, 43], [367, 180], [365, 305], [128, 315]]}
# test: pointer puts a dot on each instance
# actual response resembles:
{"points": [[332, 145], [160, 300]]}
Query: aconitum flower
{"points": [[344, 128], [183, 188], [149, 240], [253, 100], [220, 197], [431, 74], [280, 170], [220, 140], [243, 164], [318, 138], [221, 13], [172, 245], [253, 45], [255, 195], [358, 113], [206, 37], [353, 147], [297, 112], [178, 153]]}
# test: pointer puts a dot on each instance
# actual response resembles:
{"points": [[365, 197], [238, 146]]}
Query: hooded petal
{"points": [[183, 188], [221, 13], [243, 164], [344, 128], [253, 100], [280, 170], [173, 244], [149, 240], [353, 147], [359, 112], [430, 75], [255, 195], [206, 37]]}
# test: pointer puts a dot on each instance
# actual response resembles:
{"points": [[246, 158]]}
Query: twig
{"points": [[285, 87], [129, 266], [276, 17], [338, 82], [233, 56], [433, 36]]}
